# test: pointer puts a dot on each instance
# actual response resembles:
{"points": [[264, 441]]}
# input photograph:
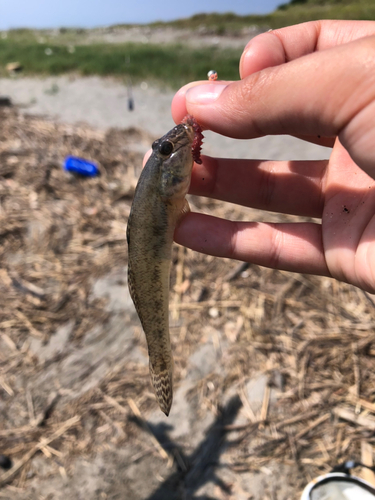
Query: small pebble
{"points": [[213, 312], [210, 385]]}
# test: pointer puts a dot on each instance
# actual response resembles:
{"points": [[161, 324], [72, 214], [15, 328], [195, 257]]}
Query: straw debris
{"points": [[312, 338]]}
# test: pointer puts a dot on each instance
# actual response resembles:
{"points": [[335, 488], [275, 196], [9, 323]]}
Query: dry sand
{"points": [[251, 350], [103, 103]]}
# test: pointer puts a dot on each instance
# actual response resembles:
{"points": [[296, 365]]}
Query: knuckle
{"points": [[232, 250], [243, 97], [267, 188], [276, 246]]}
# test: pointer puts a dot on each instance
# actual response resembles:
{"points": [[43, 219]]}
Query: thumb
{"points": [[328, 93]]}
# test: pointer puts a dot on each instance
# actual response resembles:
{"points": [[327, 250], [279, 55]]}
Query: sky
{"points": [[91, 13]]}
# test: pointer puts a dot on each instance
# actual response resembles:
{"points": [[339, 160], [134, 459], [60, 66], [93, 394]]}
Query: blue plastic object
{"points": [[80, 166]]}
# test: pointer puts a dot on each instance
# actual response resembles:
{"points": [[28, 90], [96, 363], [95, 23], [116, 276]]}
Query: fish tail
{"points": [[163, 386]]}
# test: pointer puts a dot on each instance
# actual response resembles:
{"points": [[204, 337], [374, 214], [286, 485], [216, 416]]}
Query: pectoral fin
{"points": [[184, 210]]}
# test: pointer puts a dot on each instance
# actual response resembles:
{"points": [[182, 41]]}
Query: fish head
{"points": [[174, 152]]}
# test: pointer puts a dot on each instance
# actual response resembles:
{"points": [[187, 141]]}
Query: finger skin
{"points": [[265, 185], [277, 47], [315, 80], [341, 247], [315, 94], [348, 221], [327, 93], [286, 44], [290, 247], [291, 187]]}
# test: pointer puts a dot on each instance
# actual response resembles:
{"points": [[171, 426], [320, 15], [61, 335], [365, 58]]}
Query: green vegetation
{"points": [[173, 64], [294, 12], [84, 51], [298, 11]]}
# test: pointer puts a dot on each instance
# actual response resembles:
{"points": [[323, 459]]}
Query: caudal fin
{"points": [[163, 387]]}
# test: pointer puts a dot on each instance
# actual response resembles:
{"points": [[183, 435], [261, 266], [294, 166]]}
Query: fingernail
{"points": [[204, 94], [245, 55]]}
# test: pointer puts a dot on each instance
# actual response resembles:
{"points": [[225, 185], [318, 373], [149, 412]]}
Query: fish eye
{"points": [[166, 148]]}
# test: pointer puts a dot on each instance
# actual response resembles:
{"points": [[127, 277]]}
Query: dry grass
{"points": [[313, 337]]}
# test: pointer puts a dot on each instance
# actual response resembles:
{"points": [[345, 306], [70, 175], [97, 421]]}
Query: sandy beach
{"points": [[103, 103], [92, 359]]}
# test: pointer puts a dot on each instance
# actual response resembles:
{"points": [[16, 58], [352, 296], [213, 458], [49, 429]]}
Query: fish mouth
{"points": [[194, 131]]}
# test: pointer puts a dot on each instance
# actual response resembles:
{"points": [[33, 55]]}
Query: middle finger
{"points": [[290, 187]]}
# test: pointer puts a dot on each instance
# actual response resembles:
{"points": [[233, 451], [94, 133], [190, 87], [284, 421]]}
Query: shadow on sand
{"points": [[198, 468]]}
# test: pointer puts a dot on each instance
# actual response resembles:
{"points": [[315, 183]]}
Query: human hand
{"points": [[316, 81]]}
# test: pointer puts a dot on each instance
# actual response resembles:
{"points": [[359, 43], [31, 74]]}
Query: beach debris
{"points": [[81, 166], [14, 67], [5, 101], [212, 75]]}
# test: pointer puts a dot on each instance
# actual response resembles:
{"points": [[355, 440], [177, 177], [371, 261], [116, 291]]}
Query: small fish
{"points": [[159, 202]]}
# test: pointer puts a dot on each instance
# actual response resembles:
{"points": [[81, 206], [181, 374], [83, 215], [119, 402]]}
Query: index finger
{"points": [[286, 44]]}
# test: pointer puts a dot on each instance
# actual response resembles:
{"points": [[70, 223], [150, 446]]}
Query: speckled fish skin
{"points": [[159, 201]]}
